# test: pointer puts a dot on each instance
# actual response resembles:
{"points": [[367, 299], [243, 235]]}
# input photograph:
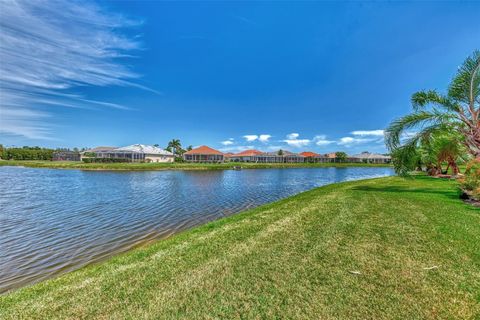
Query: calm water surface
{"points": [[53, 221]]}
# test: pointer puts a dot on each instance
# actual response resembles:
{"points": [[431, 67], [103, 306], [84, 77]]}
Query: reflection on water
{"points": [[53, 221]]}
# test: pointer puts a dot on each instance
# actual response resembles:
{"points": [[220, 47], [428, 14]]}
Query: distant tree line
{"points": [[31, 153], [26, 153]]}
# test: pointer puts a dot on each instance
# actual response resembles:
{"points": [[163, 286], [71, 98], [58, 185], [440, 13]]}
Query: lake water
{"points": [[54, 221]]}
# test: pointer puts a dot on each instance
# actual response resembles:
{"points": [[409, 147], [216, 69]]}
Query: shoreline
{"points": [[364, 253], [175, 166]]}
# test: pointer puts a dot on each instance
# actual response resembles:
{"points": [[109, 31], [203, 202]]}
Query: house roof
{"points": [[248, 153], [309, 154], [204, 150], [142, 148], [285, 153], [368, 155], [100, 149], [228, 154]]}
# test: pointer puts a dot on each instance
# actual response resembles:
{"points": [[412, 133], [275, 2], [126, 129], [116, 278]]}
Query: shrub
{"points": [[470, 182]]}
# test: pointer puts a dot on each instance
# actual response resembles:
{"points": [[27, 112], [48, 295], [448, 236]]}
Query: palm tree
{"points": [[175, 146], [457, 111], [449, 149], [431, 153]]}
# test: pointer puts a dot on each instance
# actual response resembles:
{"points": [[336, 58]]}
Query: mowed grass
{"points": [[387, 248], [173, 166]]}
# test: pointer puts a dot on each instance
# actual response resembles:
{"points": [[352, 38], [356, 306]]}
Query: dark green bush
{"points": [[27, 153]]}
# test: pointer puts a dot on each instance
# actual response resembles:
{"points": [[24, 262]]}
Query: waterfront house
{"points": [[97, 152], [132, 153], [228, 155], [309, 156], [368, 157], [279, 157], [147, 153], [203, 154], [332, 157], [65, 155], [245, 156]]}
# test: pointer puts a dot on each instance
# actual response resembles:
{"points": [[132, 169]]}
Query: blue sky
{"points": [[320, 76]]}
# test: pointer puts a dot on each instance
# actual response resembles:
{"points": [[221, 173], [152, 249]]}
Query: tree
{"points": [[449, 149], [430, 154], [341, 156], [280, 152], [433, 112], [175, 146]]}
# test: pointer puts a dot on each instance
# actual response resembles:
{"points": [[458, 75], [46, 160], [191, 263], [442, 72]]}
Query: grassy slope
{"points": [[292, 259], [170, 166]]}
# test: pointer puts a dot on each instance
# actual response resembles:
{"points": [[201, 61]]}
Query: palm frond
{"points": [[419, 148], [419, 119], [422, 99], [465, 86]]}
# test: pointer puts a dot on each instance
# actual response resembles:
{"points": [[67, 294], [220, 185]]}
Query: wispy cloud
{"points": [[350, 141], [362, 137], [293, 141], [245, 20], [293, 136], [48, 48], [321, 140], [362, 133]]}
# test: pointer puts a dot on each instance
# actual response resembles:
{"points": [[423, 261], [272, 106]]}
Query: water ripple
{"points": [[55, 221]]}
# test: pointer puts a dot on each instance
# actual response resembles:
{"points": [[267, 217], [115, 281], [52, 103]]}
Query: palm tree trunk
{"points": [[453, 164]]}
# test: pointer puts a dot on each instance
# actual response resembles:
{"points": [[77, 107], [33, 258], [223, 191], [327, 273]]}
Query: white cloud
{"points": [[264, 137], [297, 143], [350, 141], [47, 48], [377, 133], [227, 142], [321, 140], [250, 137], [293, 141], [292, 136]]}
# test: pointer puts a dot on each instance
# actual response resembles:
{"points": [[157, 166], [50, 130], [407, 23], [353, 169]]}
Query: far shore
{"points": [[175, 165]]}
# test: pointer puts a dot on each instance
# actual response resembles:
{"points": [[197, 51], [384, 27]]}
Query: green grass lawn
{"points": [[173, 166], [387, 248]]}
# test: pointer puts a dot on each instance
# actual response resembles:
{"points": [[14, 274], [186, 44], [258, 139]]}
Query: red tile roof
{"points": [[228, 154], [204, 150], [248, 153], [309, 154]]}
